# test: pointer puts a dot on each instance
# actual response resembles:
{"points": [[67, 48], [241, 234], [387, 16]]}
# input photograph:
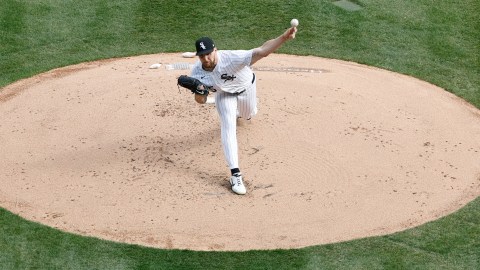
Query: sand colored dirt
{"points": [[338, 151]]}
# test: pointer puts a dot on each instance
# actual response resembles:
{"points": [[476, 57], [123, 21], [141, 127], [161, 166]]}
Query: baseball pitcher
{"points": [[229, 74]]}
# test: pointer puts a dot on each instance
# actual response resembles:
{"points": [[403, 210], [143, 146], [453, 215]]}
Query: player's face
{"points": [[209, 60]]}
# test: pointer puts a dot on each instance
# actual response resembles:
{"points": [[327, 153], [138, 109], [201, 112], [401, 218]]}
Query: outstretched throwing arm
{"points": [[272, 45]]}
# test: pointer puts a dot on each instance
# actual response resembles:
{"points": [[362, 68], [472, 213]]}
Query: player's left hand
{"points": [[193, 84]]}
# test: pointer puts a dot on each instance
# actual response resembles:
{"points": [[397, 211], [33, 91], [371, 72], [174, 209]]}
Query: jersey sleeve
{"points": [[196, 70], [241, 57]]}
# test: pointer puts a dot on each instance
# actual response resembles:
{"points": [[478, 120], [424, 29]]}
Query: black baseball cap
{"points": [[204, 45]]}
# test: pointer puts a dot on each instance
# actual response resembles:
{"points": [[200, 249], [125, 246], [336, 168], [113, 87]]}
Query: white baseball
{"points": [[294, 22]]}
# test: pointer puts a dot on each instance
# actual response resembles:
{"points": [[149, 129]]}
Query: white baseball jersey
{"points": [[236, 95], [231, 74]]}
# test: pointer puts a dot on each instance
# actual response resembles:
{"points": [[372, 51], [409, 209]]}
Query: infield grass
{"points": [[436, 41]]}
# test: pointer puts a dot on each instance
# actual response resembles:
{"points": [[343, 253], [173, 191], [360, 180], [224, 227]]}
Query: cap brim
{"points": [[204, 52]]}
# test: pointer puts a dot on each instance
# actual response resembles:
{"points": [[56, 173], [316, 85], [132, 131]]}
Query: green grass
{"points": [[437, 41], [449, 243]]}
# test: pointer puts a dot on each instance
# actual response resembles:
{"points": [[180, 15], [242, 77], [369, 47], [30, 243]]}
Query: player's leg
{"points": [[227, 110], [226, 107]]}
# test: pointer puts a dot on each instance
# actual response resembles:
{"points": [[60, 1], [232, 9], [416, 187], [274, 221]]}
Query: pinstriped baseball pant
{"points": [[227, 106]]}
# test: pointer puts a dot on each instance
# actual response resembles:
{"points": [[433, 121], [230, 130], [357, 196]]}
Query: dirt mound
{"points": [[338, 151]]}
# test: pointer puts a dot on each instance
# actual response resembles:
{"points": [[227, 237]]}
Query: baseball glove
{"points": [[194, 85]]}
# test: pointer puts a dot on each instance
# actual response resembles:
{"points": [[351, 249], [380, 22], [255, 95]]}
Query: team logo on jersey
{"points": [[202, 45], [227, 77]]}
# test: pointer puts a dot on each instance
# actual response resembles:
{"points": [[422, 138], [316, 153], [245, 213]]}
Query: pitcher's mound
{"points": [[338, 151]]}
